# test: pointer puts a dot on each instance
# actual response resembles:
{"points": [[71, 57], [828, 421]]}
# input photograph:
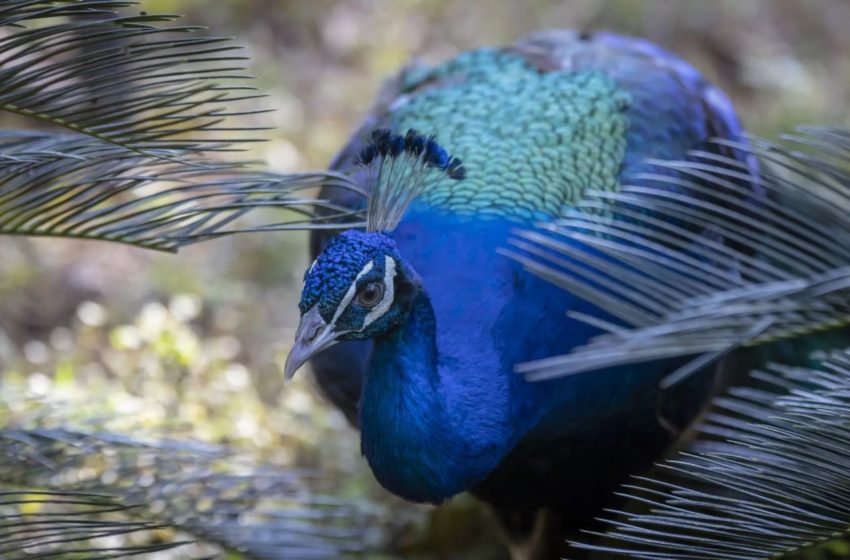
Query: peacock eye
{"points": [[370, 294]]}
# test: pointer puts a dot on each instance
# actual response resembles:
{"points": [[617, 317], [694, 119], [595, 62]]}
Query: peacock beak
{"points": [[313, 336]]}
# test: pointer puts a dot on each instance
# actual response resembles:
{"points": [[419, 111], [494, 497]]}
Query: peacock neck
{"points": [[416, 447]]}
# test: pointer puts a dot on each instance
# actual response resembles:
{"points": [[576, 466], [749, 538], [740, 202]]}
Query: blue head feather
{"points": [[351, 261]]}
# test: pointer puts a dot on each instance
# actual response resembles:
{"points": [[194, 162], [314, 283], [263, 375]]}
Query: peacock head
{"points": [[360, 287]]}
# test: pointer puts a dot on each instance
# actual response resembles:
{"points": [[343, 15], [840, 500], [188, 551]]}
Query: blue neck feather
{"points": [[441, 405], [404, 413]]}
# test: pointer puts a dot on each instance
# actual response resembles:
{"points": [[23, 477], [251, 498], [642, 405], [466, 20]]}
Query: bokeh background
{"points": [[198, 339]]}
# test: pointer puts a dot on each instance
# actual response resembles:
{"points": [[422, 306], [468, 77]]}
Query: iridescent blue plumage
{"points": [[435, 393]]}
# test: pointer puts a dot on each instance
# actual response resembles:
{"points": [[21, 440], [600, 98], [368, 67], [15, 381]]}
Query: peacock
{"points": [[415, 322]]}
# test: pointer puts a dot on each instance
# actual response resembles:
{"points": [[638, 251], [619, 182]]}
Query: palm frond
{"points": [[137, 80], [142, 100], [65, 186], [728, 265], [52, 524], [777, 484], [106, 484]]}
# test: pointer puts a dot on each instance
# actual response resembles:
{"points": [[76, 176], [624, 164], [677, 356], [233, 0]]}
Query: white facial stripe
{"points": [[312, 266], [349, 295], [389, 294]]}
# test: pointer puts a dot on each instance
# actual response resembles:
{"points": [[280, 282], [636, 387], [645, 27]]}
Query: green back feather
{"points": [[531, 142]]}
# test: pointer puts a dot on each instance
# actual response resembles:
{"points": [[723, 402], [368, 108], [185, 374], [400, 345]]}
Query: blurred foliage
{"points": [[196, 341]]}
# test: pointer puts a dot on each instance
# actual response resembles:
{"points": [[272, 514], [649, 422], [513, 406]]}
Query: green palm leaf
{"points": [[778, 484], [143, 102], [131, 80], [725, 268], [65, 524], [734, 262], [132, 106], [59, 185], [107, 484]]}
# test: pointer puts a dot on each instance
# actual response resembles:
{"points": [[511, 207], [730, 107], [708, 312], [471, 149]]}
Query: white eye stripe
{"points": [[389, 294], [352, 289], [366, 269]]}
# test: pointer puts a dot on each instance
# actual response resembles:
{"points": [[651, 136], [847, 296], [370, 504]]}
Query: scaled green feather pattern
{"points": [[531, 142]]}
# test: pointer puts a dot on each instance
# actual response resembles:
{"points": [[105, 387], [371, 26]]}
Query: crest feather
{"points": [[398, 170]]}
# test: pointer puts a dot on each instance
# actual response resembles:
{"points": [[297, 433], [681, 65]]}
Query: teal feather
{"points": [[532, 142]]}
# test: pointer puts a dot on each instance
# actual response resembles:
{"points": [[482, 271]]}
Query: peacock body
{"points": [[427, 320]]}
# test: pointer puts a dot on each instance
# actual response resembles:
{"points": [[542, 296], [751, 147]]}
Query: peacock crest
{"points": [[399, 168]]}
